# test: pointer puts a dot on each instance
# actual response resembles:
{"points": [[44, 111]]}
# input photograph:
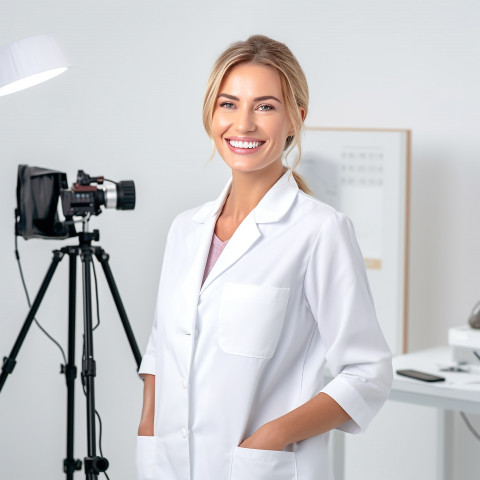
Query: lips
{"points": [[241, 144], [244, 145]]}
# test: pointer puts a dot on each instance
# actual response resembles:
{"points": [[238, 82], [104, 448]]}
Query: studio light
{"points": [[30, 61]]}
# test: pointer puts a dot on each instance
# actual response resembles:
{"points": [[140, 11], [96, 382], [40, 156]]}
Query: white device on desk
{"points": [[464, 341]]}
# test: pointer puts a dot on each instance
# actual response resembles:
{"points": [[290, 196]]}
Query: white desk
{"points": [[459, 392]]}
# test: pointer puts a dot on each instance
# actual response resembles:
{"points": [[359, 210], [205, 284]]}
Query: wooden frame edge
{"points": [[406, 267]]}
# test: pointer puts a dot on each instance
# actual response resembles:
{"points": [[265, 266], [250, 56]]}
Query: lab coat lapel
{"points": [[243, 238], [197, 249], [198, 246], [271, 208]]}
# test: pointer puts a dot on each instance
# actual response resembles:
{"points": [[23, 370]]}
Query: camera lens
{"points": [[120, 195], [126, 195]]}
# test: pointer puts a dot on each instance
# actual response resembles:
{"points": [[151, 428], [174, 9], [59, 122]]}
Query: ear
{"points": [[303, 113]]}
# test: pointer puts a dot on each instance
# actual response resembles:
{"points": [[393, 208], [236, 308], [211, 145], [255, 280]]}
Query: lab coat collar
{"points": [[271, 208]]}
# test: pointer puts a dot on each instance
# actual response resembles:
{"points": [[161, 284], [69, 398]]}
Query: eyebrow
{"points": [[257, 99]]}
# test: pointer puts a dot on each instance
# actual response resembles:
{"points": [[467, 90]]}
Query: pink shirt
{"points": [[216, 248]]}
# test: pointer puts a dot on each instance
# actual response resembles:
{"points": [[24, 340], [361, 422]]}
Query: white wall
{"points": [[131, 108]]}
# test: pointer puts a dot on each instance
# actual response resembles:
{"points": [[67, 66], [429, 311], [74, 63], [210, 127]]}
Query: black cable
{"points": [[100, 430], [100, 425], [470, 426], [17, 255], [96, 297]]}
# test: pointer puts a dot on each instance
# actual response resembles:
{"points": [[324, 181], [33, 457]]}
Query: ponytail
{"points": [[302, 184]]}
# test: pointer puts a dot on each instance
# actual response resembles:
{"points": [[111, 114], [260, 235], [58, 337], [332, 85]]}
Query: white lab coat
{"points": [[287, 295]]}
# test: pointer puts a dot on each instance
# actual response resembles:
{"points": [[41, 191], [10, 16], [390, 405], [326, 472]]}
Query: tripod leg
{"points": [[93, 464], [102, 257], [70, 370], [9, 362]]}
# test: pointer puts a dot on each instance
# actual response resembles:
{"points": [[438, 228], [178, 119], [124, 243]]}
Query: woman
{"points": [[234, 366]]}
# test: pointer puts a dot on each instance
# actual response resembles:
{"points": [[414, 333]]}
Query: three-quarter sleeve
{"points": [[339, 297], [148, 363], [148, 360]]}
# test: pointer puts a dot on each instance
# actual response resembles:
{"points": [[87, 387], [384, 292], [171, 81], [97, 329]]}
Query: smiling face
{"points": [[250, 123]]}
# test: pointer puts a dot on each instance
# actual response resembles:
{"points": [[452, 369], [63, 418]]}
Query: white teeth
{"points": [[240, 144]]}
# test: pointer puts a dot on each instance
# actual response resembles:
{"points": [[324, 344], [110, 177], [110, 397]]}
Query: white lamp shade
{"points": [[30, 61]]}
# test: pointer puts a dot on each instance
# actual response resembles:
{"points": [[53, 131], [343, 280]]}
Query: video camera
{"points": [[38, 193]]}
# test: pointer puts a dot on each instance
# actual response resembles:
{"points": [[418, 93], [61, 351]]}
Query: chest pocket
{"points": [[251, 319]]}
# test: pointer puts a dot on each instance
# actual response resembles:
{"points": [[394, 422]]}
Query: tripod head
{"points": [[86, 238]]}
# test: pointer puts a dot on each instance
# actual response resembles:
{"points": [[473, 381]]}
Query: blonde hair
{"points": [[262, 50]]}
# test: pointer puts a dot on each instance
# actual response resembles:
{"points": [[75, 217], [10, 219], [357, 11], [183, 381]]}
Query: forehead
{"points": [[252, 79]]}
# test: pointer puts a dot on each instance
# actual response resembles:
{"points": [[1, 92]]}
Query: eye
{"points": [[264, 107], [228, 105]]}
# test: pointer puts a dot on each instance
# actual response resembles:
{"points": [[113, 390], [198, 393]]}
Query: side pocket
{"points": [[253, 464], [145, 457]]}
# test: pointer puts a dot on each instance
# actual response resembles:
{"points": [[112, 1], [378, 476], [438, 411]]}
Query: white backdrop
{"points": [[131, 108]]}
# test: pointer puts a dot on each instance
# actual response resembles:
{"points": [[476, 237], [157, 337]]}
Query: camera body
{"points": [[89, 194]]}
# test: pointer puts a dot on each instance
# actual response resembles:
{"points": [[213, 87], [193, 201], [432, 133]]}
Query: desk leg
{"points": [[337, 439], [445, 444]]}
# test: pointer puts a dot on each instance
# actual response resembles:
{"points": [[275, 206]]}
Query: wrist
{"points": [[276, 432], [145, 429]]}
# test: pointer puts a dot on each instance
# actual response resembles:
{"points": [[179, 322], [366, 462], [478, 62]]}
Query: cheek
{"points": [[219, 125], [280, 132], [277, 128], [217, 130], [217, 138], [285, 129]]}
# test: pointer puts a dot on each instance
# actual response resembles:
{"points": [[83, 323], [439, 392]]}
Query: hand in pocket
{"points": [[265, 438], [145, 457]]}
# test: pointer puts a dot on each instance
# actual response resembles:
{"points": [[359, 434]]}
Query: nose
{"points": [[245, 120]]}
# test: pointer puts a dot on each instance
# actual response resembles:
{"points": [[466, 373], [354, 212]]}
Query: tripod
{"points": [[93, 463]]}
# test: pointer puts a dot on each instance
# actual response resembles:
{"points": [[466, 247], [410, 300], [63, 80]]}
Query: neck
{"points": [[248, 189]]}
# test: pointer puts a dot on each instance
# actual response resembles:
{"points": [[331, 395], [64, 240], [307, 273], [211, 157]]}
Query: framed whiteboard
{"points": [[365, 173]]}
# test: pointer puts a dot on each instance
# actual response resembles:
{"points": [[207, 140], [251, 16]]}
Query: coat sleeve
{"points": [[149, 358], [339, 297]]}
